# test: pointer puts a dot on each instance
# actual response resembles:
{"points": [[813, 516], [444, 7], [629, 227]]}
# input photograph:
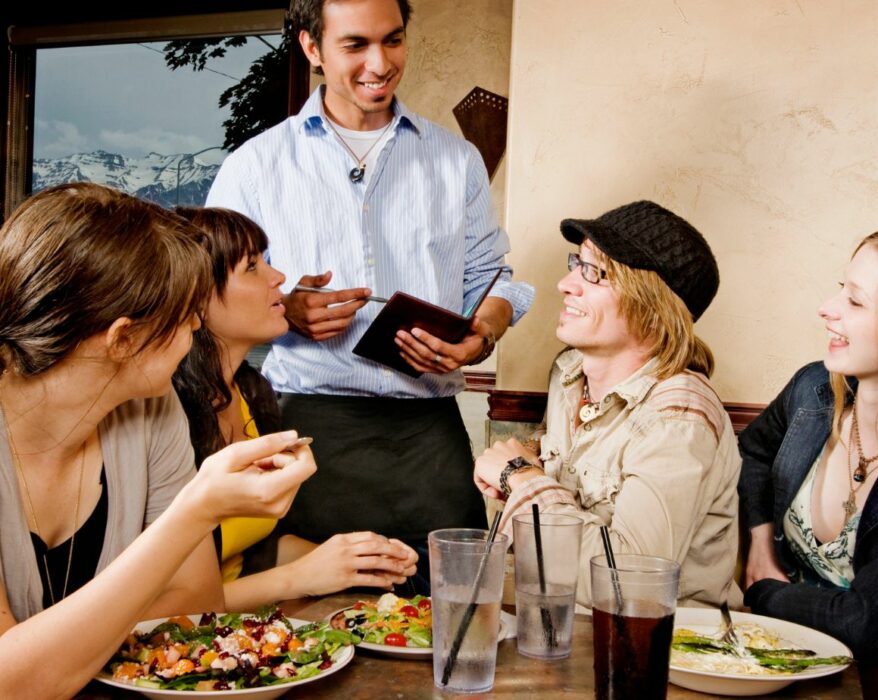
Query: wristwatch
{"points": [[512, 466]]}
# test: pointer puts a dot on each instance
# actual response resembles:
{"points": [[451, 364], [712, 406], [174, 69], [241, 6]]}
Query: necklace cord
{"points": [[33, 514]]}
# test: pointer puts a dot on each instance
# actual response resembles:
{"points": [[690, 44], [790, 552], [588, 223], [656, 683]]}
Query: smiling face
{"points": [[362, 53], [591, 320], [851, 318], [250, 310]]}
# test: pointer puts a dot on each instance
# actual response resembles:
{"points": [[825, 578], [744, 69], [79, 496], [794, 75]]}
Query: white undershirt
{"points": [[361, 141]]}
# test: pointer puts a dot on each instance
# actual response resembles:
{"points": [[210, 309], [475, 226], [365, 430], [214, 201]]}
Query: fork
{"points": [[729, 636]]}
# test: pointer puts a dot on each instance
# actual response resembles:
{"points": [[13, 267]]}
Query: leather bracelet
{"points": [[513, 465], [489, 342]]}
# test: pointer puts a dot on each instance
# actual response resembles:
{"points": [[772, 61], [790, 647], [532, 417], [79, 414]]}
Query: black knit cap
{"points": [[646, 236]]}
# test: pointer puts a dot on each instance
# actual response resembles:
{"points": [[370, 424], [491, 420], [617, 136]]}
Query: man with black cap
{"points": [[635, 437]]}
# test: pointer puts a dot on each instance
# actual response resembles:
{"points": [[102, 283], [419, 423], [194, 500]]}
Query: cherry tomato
{"points": [[425, 604], [409, 611], [395, 639]]}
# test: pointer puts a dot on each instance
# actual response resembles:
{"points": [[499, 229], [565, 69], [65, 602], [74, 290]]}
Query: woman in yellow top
{"points": [[227, 401]]}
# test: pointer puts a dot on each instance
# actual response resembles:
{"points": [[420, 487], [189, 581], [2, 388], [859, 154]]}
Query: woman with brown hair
{"points": [[99, 295], [808, 477], [227, 401]]}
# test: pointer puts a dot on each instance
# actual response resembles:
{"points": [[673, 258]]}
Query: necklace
{"points": [[358, 172], [857, 476], [33, 515]]}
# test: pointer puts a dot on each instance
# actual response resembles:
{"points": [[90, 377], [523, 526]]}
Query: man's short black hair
{"points": [[307, 15]]}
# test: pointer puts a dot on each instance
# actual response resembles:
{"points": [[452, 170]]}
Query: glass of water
{"points": [[544, 604], [466, 574]]}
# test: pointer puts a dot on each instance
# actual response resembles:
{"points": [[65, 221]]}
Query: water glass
{"points": [[466, 573], [544, 609]]}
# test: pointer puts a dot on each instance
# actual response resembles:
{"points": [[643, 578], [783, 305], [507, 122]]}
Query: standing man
{"points": [[359, 194]]}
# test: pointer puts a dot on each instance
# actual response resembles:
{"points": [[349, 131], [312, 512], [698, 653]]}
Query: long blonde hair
{"points": [[655, 314], [842, 393]]}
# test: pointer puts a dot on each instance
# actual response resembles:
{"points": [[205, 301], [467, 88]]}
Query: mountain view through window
{"points": [[120, 115]]}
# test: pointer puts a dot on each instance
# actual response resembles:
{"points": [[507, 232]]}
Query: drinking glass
{"points": [[633, 609], [466, 573], [544, 604]]}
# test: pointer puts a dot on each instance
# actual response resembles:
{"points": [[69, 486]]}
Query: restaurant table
{"points": [[375, 677]]}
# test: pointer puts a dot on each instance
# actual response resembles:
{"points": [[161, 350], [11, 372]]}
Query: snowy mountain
{"points": [[166, 180]]}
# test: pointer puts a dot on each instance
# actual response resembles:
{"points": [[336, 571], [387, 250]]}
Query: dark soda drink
{"points": [[632, 651]]}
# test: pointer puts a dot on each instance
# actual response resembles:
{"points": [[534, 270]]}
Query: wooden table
{"points": [[374, 677]]}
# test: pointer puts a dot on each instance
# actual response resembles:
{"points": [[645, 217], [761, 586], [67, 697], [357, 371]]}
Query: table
{"points": [[374, 677]]}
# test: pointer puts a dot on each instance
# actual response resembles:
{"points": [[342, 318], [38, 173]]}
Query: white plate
{"points": [[405, 652], [708, 621], [340, 659]]}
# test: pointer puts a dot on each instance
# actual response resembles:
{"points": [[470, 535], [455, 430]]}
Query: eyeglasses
{"points": [[590, 273]]}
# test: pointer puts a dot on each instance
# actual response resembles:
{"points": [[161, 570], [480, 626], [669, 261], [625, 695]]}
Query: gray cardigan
{"points": [[147, 460]]}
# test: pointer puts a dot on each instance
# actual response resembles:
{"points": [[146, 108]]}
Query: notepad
{"points": [[405, 312]]}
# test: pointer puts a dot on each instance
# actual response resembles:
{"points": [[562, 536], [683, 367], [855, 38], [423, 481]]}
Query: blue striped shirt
{"points": [[424, 224]]}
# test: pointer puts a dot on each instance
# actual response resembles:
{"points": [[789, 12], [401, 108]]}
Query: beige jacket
{"points": [[657, 462]]}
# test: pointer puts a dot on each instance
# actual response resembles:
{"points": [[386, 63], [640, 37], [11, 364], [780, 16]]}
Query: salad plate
{"points": [[729, 676], [338, 658], [371, 619]]}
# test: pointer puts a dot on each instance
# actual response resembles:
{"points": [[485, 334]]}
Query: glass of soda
{"points": [[545, 603], [633, 609], [466, 578]]}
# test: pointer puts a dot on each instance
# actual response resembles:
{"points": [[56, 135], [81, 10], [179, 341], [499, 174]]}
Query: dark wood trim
{"points": [[480, 381], [742, 413], [517, 406], [529, 407]]}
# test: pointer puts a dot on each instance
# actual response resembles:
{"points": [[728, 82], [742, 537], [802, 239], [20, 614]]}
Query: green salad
{"points": [[228, 652], [392, 621]]}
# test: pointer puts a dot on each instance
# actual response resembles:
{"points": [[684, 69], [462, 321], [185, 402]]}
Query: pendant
{"points": [[356, 174], [860, 472], [850, 506]]}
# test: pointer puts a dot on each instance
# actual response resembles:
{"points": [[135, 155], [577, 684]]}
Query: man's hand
{"points": [[427, 353], [323, 315], [492, 461]]}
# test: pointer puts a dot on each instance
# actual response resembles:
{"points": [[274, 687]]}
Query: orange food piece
{"points": [[184, 622], [207, 658], [269, 649], [159, 656], [183, 666], [295, 644], [127, 671]]}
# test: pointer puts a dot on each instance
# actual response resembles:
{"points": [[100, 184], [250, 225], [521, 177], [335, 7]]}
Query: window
{"points": [[136, 104]]}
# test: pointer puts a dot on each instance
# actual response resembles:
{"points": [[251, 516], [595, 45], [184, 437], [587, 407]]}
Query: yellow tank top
{"points": [[240, 533]]}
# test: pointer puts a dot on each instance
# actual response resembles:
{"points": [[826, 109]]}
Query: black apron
{"points": [[398, 467]]}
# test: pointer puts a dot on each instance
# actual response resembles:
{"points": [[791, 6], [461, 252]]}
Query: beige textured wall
{"points": [[757, 120]]}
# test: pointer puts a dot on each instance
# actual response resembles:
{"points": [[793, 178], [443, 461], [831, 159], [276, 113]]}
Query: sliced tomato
{"points": [[409, 611], [395, 639], [425, 604], [359, 605]]}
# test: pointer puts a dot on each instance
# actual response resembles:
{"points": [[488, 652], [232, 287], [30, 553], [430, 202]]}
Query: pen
{"points": [[303, 288]]}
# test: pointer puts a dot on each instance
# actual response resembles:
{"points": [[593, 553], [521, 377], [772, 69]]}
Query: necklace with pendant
{"points": [[33, 516], [358, 172], [856, 476]]}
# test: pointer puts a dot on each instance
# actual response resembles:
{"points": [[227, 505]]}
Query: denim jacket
{"points": [[778, 449]]}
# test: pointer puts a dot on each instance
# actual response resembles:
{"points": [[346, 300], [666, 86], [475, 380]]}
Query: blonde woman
{"points": [[808, 477]]}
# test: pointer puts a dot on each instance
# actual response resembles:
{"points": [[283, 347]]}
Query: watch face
{"points": [[519, 463]]}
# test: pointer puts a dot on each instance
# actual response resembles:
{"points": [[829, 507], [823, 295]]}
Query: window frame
{"points": [[24, 40]]}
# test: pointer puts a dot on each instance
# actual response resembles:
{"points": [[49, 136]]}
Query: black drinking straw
{"points": [[471, 608], [548, 627], [611, 561]]}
